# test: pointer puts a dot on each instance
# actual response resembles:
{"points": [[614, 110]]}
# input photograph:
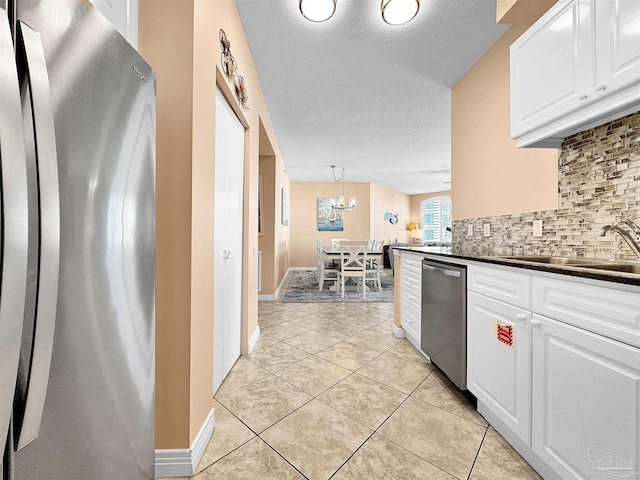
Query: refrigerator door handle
{"points": [[31, 54], [14, 234]]}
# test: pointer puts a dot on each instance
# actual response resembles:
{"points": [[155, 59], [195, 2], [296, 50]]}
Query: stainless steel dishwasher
{"points": [[444, 318]]}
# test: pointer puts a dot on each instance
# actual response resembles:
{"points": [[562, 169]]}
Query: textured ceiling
{"points": [[357, 92]]}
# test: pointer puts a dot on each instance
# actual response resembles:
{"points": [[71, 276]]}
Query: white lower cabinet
{"points": [[586, 402], [411, 294], [565, 391], [499, 360]]}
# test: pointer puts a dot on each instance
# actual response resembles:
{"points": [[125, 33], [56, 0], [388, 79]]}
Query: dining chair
{"points": [[374, 264], [326, 268], [353, 263], [335, 242]]}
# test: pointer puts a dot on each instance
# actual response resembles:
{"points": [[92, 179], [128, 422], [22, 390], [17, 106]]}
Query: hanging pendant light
{"points": [[399, 12], [317, 10], [341, 205]]}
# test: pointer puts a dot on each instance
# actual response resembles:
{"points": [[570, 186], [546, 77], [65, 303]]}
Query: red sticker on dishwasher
{"points": [[505, 334]]}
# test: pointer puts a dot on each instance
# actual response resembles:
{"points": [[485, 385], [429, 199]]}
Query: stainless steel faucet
{"points": [[632, 242]]}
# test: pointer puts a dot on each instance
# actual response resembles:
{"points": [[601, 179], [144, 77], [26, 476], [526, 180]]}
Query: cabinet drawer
{"points": [[505, 285], [411, 298], [612, 313], [413, 281], [412, 263], [410, 320]]}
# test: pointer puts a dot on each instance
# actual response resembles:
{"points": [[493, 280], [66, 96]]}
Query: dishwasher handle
{"points": [[443, 271]]}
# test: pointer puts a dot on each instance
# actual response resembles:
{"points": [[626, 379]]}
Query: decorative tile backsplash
{"points": [[599, 184]]}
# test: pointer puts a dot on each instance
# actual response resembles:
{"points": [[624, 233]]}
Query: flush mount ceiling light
{"points": [[317, 10], [399, 12]]}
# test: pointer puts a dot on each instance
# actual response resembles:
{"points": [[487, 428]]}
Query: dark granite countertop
{"points": [[572, 270]]}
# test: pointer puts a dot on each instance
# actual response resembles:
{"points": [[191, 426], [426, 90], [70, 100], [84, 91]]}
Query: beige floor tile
{"points": [[348, 355], [399, 374], [307, 307], [498, 460], [337, 330], [311, 341], [405, 351], [316, 439], [363, 399], [380, 458], [313, 375], [384, 327], [277, 356], [263, 341], [268, 321], [283, 330], [311, 321], [442, 438], [243, 373], [264, 402], [377, 341], [439, 391], [252, 461], [229, 434]]}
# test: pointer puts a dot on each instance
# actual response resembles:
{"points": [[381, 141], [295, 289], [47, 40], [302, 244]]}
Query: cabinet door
{"points": [[617, 45], [586, 402], [552, 66], [498, 360]]}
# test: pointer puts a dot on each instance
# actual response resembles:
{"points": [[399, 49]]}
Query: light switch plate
{"points": [[486, 228], [537, 228], [470, 230]]}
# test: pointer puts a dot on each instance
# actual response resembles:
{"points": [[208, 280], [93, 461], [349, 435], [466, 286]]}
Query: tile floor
{"points": [[329, 392]]}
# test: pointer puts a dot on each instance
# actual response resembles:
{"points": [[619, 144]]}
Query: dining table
{"points": [[333, 253]]}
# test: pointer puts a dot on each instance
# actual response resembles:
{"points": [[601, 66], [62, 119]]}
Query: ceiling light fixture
{"points": [[341, 205], [317, 10], [399, 12]]}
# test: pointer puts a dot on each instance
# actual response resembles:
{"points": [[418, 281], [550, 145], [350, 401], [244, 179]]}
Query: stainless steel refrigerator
{"points": [[77, 278]]}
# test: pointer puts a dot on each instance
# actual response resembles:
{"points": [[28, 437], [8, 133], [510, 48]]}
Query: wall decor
{"points": [[330, 219], [285, 207], [230, 69], [391, 218]]}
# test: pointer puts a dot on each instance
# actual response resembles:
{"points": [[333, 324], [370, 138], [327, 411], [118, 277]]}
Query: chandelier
{"points": [[341, 205], [394, 12]]}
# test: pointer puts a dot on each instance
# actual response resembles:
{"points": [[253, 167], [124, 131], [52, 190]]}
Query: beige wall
{"points": [[274, 243], [490, 176], [384, 200], [304, 218], [179, 38]]}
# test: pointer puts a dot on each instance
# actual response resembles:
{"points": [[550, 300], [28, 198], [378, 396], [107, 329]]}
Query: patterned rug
{"points": [[303, 288]]}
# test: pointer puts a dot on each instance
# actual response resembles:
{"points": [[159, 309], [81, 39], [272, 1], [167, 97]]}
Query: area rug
{"points": [[303, 288]]}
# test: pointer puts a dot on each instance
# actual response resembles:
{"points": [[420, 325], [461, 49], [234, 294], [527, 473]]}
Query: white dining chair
{"points": [[326, 268], [335, 242], [353, 264], [374, 264]]}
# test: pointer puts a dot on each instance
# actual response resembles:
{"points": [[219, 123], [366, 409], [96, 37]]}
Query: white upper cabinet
{"points": [[578, 66], [617, 45]]}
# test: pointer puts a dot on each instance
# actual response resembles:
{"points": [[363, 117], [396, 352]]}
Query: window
{"points": [[435, 217]]}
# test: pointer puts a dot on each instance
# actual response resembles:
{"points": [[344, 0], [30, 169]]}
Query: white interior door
{"points": [[229, 173]]}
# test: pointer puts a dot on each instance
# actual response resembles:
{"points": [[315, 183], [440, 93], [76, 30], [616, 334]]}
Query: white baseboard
{"points": [[254, 338], [398, 332], [182, 462], [274, 297]]}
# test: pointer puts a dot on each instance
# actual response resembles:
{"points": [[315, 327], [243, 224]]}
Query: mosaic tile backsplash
{"points": [[599, 184]]}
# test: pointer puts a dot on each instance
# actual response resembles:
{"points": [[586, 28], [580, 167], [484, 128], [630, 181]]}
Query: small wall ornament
{"points": [[230, 69], [391, 218]]}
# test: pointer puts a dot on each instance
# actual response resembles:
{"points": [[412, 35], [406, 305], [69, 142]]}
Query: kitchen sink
{"points": [[557, 260], [586, 263], [618, 267]]}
